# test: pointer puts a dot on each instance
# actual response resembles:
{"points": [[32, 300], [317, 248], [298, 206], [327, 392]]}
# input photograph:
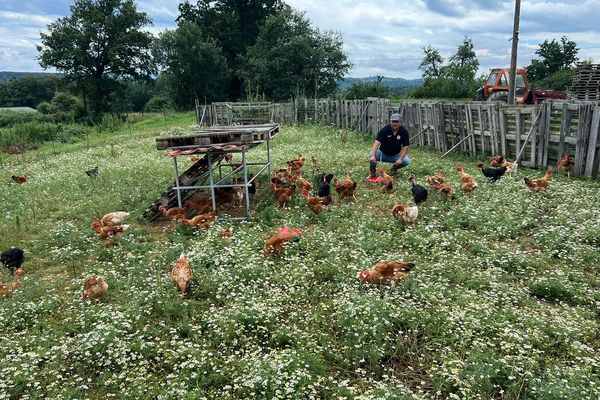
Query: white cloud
{"points": [[382, 37]]}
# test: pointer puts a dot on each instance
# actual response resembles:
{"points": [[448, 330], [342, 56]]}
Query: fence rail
{"points": [[537, 134]]}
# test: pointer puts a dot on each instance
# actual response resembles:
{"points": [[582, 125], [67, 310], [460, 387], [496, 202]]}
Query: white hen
{"points": [[114, 218]]}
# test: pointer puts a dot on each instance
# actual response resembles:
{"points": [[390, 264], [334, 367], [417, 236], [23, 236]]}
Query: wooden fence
{"points": [[538, 135]]}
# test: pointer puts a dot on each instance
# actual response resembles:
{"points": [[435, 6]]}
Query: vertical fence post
{"points": [[583, 130], [592, 152]]}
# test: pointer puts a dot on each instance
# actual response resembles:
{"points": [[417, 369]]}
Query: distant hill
{"points": [[8, 75], [395, 83]]}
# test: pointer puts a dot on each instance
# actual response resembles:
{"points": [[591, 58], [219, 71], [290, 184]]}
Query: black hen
{"points": [[492, 173], [92, 173], [419, 192], [324, 184], [252, 187], [326, 177], [13, 258]]}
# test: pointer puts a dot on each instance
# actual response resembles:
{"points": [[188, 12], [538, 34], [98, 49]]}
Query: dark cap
{"points": [[395, 117]]}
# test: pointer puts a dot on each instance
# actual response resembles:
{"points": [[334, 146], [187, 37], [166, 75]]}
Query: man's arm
{"points": [[403, 152], [376, 145]]}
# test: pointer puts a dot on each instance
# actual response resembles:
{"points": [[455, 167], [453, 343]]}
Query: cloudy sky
{"points": [[382, 37]]}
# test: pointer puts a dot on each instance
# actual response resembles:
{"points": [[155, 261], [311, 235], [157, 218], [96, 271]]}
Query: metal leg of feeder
{"points": [[245, 169], [177, 182], [212, 181], [269, 158]]}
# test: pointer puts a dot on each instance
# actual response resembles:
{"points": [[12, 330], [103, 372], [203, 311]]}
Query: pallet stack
{"points": [[586, 82]]}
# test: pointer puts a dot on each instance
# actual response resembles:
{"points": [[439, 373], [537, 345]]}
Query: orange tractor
{"points": [[495, 88]]}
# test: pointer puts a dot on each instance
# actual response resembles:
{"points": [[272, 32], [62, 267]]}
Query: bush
{"points": [[362, 90], [560, 80], [111, 122], [72, 131], [158, 104], [44, 107], [63, 108], [28, 134], [10, 118], [445, 88]]}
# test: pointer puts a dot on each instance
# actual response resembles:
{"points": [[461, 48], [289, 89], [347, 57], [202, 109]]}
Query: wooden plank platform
{"points": [[219, 135]]}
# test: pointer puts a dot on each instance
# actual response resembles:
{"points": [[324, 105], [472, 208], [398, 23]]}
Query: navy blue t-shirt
{"points": [[390, 144]]}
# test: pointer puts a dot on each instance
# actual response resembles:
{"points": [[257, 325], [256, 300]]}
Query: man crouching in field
{"points": [[391, 146]]}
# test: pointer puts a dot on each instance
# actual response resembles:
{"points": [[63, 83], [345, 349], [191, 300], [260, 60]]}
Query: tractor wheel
{"points": [[499, 96]]}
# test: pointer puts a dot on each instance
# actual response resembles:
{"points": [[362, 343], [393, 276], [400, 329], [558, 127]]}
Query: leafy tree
{"points": [[233, 25], [137, 94], [555, 57], [560, 80], [432, 63], [290, 58], [362, 90], [28, 91], [100, 42], [464, 64], [194, 67], [453, 81]]}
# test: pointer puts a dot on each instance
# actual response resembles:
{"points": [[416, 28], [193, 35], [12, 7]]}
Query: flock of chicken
{"points": [[286, 180], [284, 183]]}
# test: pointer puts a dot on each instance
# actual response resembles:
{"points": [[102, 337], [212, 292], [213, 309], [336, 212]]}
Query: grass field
{"points": [[503, 302]]}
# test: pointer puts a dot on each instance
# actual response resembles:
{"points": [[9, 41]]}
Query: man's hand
{"points": [[398, 163], [372, 158]]}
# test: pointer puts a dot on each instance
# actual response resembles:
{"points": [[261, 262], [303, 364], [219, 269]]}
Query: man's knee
{"points": [[405, 162]]}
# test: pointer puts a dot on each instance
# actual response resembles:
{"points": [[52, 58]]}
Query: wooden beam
{"points": [[455, 146], [502, 128], [544, 131], [481, 129], [518, 130], [582, 135], [533, 125], [592, 151]]}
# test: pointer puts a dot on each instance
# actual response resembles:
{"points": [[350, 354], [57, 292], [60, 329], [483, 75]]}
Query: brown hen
{"points": [[181, 274], [94, 288], [467, 182], [283, 194], [539, 184], [346, 187], [564, 164], [386, 273]]}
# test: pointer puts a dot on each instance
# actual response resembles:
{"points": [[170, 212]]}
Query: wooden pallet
{"points": [[220, 135], [586, 82], [195, 175]]}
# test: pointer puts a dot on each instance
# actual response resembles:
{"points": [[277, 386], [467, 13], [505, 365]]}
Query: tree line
{"points": [[225, 50]]}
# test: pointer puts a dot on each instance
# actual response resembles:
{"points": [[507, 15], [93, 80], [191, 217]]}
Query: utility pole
{"points": [[512, 80]]}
